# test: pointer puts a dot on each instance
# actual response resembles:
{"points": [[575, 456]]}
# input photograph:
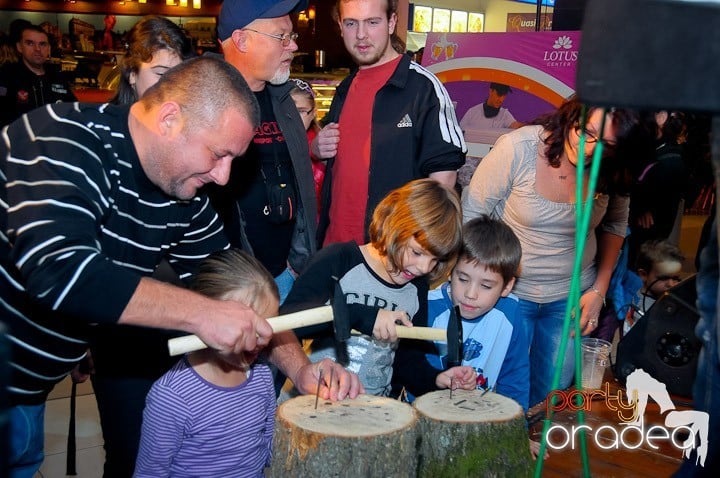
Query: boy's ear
{"points": [[508, 288], [642, 273]]}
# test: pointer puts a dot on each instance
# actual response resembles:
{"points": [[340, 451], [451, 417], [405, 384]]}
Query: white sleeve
{"points": [[491, 182]]}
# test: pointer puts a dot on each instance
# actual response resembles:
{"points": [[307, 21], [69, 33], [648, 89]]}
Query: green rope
{"points": [[582, 224]]}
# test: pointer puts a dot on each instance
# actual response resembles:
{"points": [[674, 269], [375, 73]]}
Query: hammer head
{"points": [[341, 324], [454, 338]]}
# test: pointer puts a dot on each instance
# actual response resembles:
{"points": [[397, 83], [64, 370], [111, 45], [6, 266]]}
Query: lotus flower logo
{"points": [[563, 42]]}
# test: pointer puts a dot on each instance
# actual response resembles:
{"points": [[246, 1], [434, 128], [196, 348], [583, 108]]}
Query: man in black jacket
{"points": [[30, 83], [269, 206], [391, 121]]}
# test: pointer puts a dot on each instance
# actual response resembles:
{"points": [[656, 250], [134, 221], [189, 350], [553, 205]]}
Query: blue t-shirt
{"points": [[495, 345]]}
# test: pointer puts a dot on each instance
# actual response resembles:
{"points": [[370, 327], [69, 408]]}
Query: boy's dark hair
{"points": [[652, 252], [492, 243]]}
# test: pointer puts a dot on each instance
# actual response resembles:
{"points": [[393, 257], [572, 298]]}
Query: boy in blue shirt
{"points": [[494, 341]]}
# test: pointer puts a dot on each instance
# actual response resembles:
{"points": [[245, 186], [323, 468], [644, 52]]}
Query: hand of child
{"points": [[535, 450], [384, 328], [325, 144], [458, 377]]}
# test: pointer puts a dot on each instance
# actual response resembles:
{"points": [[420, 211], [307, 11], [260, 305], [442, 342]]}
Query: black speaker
{"points": [[663, 342], [652, 54], [568, 14]]}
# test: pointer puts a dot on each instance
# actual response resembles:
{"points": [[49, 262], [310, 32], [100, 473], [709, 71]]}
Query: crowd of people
{"points": [[206, 198]]}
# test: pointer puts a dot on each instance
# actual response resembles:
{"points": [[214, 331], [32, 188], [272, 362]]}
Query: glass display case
{"points": [[323, 85], [324, 92]]}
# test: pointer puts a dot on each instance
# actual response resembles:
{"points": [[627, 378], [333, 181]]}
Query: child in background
{"points": [[213, 414], [304, 99], [414, 236], [494, 342], [658, 266]]}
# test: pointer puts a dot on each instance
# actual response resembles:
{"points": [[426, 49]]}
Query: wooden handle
{"points": [[418, 333], [281, 323]]}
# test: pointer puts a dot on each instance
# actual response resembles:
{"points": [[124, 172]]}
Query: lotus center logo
{"points": [[631, 432], [562, 52]]}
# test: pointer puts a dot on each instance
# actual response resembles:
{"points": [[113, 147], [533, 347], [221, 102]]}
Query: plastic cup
{"points": [[595, 357]]}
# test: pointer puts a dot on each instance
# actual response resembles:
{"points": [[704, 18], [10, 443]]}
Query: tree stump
{"points": [[366, 437], [471, 435]]}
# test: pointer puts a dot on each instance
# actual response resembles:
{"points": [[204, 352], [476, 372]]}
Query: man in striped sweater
{"points": [[91, 198]]}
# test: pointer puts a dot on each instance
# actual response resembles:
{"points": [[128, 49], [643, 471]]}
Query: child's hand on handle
{"points": [[457, 377], [384, 328]]}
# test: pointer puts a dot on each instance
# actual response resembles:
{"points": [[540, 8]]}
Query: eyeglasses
{"points": [[284, 39], [592, 138]]}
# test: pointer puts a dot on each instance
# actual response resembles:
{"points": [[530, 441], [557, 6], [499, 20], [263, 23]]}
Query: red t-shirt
{"points": [[352, 164]]}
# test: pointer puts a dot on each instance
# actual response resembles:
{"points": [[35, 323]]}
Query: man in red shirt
{"points": [[391, 121]]}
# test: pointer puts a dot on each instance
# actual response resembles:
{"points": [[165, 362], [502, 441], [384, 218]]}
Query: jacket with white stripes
{"points": [[80, 224], [414, 133]]}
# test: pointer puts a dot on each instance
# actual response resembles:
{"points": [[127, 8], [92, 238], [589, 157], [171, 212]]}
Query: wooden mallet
{"points": [[304, 318]]}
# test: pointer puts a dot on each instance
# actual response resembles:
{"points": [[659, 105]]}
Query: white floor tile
{"points": [[87, 424], [90, 455], [89, 464]]}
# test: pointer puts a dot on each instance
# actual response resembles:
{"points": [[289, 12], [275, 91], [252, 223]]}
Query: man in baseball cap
{"points": [[258, 40], [237, 14]]}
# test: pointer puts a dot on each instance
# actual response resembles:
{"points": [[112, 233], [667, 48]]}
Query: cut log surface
{"points": [[471, 435], [366, 437]]}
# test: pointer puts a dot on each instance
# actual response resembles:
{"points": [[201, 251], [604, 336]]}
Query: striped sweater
{"points": [[192, 427], [80, 224]]}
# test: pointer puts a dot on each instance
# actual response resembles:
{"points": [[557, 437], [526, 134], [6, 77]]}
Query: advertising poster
{"points": [[537, 70]]}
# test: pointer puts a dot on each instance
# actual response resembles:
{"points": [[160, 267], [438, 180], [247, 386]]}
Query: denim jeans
{"points": [[284, 281], [27, 439], [543, 323]]}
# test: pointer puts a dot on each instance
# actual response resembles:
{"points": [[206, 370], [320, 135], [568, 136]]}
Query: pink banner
{"points": [[539, 67]]}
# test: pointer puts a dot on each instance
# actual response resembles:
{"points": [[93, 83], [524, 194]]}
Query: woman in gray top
{"points": [[528, 180]]}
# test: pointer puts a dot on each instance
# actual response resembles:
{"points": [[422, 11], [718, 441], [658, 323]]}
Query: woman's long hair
{"points": [[617, 161], [149, 35]]}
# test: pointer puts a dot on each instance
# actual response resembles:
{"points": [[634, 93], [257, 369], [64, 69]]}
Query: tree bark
{"points": [[471, 435], [366, 437]]}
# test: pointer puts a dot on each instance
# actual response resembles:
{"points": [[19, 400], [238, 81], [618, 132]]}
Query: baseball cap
{"points": [[236, 14], [501, 89]]}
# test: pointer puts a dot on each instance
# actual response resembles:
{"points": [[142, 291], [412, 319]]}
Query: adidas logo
{"points": [[406, 122]]}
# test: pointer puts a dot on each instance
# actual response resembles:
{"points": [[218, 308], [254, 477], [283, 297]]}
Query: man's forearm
{"points": [[161, 305], [225, 325], [287, 354]]}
